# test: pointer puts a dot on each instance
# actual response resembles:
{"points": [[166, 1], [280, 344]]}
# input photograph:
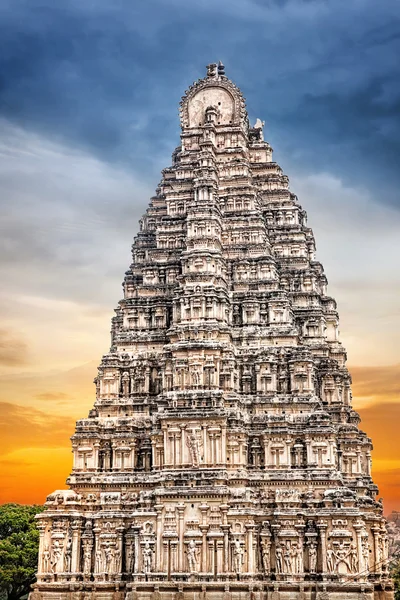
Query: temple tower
{"points": [[222, 458]]}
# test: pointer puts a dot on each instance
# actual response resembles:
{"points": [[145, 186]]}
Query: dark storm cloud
{"points": [[107, 76]]}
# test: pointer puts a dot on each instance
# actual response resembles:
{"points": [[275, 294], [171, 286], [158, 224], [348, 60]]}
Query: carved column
{"points": [[136, 562], [358, 526], [250, 548], [158, 563], [42, 531], [181, 557], [323, 525], [76, 547]]}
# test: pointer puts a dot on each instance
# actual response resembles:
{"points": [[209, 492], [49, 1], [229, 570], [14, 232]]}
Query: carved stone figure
{"points": [[192, 553], [108, 557], [266, 556], [87, 559], [99, 561], [237, 556], [193, 443], [279, 558], [353, 556], [312, 557], [68, 556], [147, 554], [56, 555], [330, 559], [46, 559]]}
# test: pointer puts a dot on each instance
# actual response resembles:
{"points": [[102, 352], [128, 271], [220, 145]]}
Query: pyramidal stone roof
{"points": [[222, 456]]}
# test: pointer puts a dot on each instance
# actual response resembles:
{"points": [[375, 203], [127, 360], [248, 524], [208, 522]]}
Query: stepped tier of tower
{"points": [[222, 458]]}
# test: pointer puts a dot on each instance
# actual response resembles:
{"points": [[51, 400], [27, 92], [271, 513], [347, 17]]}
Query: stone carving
{"points": [[193, 441], [223, 407], [266, 556], [147, 554], [192, 556], [312, 557], [279, 558], [46, 559], [87, 559], [56, 556], [68, 556], [237, 557]]}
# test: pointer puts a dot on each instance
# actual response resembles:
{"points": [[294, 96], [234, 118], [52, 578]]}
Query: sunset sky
{"points": [[89, 95]]}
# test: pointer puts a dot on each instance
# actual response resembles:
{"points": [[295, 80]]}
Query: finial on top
{"points": [[212, 70], [221, 68]]}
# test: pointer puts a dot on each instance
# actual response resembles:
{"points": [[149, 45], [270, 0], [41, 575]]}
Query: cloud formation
{"points": [[13, 349], [25, 427]]}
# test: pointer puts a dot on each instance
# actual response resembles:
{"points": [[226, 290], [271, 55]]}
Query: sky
{"points": [[89, 96]]}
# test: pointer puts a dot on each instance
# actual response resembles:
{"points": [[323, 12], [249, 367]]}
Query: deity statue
{"points": [[193, 443], [365, 555], [117, 560], [147, 558], [46, 559], [287, 558], [330, 559], [312, 557], [108, 557], [55, 556], [266, 556], [130, 558], [192, 553], [68, 556], [237, 556], [342, 555], [353, 555], [279, 558], [98, 561], [87, 559]]}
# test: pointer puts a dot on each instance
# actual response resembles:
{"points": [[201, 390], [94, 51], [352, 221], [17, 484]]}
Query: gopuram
{"points": [[222, 459]]}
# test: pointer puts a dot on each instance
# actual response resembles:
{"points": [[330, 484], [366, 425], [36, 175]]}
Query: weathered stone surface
{"points": [[222, 446]]}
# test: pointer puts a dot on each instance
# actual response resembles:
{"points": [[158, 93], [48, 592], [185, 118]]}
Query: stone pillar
{"points": [[250, 548], [225, 529], [181, 557], [375, 532], [136, 562], [76, 547], [42, 532], [358, 528], [323, 525], [158, 561]]}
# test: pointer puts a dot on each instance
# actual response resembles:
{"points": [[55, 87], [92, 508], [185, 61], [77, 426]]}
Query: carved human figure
{"points": [[192, 553], [68, 556], [98, 561], [117, 560], [87, 559], [130, 557], [365, 555], [56, 554], [266, 556], [353, 556], [298, 555], [287, 559], [312, 557], [193, 443], [147, 558], [108, 557], [237, 556], [279, 558], [341, 559], [330, 559], [46, 559]]}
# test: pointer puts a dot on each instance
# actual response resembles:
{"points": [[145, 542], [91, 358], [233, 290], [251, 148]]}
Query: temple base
{"points": [[240, 590]]}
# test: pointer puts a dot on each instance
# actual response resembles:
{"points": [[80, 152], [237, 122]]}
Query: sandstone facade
{"points": [[222, 459]]}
